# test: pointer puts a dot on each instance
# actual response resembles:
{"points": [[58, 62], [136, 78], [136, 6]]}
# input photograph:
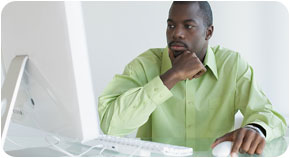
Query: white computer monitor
{"points": [[56, 93]]}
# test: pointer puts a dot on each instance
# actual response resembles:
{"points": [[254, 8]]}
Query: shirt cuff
{"points": [[157, 91], [266, 127], [256, 129]]}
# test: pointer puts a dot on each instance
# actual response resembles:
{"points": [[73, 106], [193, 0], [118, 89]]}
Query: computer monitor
{"points": [[56, 93]]}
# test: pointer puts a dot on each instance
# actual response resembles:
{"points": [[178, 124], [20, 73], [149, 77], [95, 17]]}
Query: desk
{"points": [[274, 148]]}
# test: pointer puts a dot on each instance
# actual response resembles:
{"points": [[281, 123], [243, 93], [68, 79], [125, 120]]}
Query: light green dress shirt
{"points": [[194, 112]]}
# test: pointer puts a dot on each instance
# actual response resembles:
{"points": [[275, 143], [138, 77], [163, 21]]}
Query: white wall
{"points": [[119, 31]]}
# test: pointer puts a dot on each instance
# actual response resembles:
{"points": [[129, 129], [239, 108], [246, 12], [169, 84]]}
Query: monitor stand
{"points": [[10, 90]]}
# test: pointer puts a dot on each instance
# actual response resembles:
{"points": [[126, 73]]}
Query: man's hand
{"points": [[186, 66], [244, 140]]}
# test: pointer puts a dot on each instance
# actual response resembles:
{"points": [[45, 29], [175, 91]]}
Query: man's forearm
{"points": [[169, 78]]}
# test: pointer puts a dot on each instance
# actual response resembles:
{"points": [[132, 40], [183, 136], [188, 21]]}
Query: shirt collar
{"points": [[209, 61]]}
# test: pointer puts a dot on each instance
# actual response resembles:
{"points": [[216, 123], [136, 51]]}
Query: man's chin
{"points": [[177, 53]]}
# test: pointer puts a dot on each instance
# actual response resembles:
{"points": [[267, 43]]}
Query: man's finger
{"points": [[197, 75], [221, 139], [254, 144], [200, 73], [249, 137], [237, 142], [260, 147]]}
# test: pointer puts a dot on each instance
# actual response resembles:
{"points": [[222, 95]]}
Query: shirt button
{"points": [[155, 89], [190, 102]]}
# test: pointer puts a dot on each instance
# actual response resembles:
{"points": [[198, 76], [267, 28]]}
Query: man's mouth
{"points": [[177, 46]]}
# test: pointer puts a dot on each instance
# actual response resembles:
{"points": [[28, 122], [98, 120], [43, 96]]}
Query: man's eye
{"points": [[188, 26], [170, 26]]}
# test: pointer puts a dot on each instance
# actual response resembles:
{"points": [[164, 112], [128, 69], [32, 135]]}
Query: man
{"points": [[190, 91]]}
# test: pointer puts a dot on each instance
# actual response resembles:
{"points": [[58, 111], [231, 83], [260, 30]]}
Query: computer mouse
{"points": [[223, 149]]}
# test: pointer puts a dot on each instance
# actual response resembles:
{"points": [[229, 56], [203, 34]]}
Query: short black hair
{"points": [[204, 8]]}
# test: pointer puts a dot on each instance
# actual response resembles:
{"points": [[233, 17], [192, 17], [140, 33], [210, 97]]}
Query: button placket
{"points": [[189, 112], [155, 89]]}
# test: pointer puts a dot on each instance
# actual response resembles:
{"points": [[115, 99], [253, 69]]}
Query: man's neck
{"points": [[202, 54]]}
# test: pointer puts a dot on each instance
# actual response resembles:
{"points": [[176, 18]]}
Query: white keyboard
{"points": [[137, 147]]}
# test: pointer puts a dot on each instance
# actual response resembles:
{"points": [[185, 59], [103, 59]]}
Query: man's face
{"points": [[185, 29]]}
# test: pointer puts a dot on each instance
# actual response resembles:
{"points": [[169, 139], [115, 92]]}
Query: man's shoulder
{"points": [[222, 52], [229, 59], [152, 53]]}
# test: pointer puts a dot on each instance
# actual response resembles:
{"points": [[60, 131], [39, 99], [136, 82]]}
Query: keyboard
{"points": [[137, 147]]}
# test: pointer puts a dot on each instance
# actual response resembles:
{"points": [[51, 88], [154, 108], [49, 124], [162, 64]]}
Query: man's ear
{"points": [[209, 32]]}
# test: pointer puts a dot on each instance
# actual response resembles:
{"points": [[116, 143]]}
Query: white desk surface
{"points": [[32, 144], [39, 148]]}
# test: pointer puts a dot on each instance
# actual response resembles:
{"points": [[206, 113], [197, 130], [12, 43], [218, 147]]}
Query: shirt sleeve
{"points": [[254, 105], [128, 101]]}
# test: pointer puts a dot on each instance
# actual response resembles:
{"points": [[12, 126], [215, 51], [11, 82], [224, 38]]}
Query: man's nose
{"points": [[178, 33]]}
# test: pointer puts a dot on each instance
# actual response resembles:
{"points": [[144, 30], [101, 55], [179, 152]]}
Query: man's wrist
{"points": [[169, 78]]}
